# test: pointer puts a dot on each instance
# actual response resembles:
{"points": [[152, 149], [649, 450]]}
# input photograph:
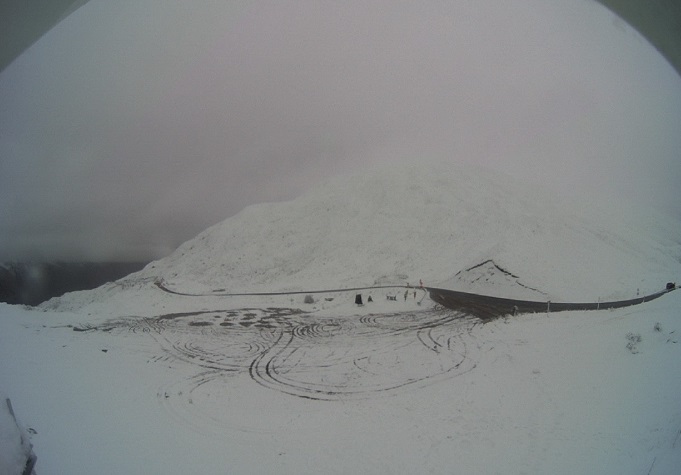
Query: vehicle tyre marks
{"points": [[313, 357], [365, 356]]}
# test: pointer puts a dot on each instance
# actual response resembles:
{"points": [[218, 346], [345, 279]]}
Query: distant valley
{"points": [[34, 283]]}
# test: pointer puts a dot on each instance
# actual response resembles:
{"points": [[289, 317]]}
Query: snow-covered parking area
{"points": [[419, 389]]}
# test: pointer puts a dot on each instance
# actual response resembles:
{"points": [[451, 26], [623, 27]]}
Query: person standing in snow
{"points": [[406, 292]]}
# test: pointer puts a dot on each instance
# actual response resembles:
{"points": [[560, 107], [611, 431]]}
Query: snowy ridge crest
{"points": [[487, 276]]}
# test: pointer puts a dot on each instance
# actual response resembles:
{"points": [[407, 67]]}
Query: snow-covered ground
{"points": [[131, 379]]}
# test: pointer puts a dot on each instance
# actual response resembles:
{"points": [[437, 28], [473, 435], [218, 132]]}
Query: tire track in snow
{"points": [[300, 355]]}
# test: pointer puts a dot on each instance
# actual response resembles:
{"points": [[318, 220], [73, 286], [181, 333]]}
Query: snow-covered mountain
{"points": [[273, 384], [461, 228]]}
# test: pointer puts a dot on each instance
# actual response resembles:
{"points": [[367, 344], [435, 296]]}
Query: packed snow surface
{"points": [[129, 378]]}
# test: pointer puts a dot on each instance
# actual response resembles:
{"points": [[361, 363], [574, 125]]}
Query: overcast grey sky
{"points": [[134, 125]]}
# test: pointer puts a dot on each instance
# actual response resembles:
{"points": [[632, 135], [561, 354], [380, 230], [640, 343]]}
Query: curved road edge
{"points": [[488, 308], [161, 285], [484, 307]]}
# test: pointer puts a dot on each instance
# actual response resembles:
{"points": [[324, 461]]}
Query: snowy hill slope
{"points": [[399, 225], [398, 386]]}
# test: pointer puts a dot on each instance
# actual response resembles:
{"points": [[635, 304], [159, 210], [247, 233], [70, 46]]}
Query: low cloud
{"points": [[129, 128]]}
